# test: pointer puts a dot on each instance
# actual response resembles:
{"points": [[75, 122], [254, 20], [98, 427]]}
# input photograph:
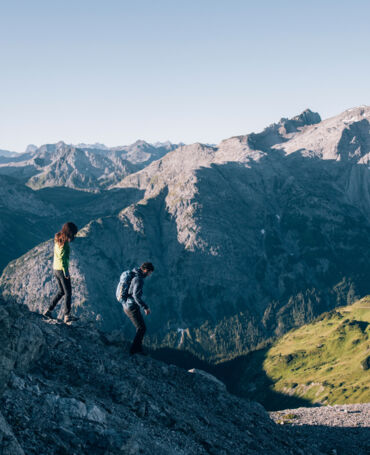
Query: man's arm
{"points": [[137, 292]]}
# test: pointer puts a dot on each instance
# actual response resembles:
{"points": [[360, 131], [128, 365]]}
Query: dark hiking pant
{"points": [[64, 289], [134, 313]]}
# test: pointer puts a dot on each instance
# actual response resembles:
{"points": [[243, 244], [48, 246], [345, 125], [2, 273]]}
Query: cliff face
{"points": [[249, 238], [76, 391]]}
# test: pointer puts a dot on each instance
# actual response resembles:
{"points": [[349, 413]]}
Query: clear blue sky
{"points": [[115, 71]]}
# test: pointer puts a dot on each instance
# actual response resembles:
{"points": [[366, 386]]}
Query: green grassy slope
{"points": [[326, 361]]}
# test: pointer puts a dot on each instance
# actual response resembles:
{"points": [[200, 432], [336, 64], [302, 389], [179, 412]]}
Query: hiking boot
{"points": [[70, 318], [48, 314]]}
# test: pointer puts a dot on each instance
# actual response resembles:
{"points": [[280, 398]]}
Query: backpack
{"points": [[124, 285]]}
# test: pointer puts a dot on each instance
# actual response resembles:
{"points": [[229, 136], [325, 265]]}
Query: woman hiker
{"points": [[62, 240]]}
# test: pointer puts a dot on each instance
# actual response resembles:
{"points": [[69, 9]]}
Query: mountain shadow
{"points": [[82, 204], [295, 231], [243, 376], [39, 214]]}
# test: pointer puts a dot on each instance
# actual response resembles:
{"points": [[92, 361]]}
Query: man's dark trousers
{"points": [[134, 313]]}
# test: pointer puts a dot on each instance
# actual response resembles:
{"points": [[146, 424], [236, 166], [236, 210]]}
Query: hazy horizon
{"points": [[153, 142]]}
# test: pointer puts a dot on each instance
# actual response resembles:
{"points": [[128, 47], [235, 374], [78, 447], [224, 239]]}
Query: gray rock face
{"points": [[20, 340], [17, 197], [212, 378], [83, 394], [249, 238], [8, 442]]}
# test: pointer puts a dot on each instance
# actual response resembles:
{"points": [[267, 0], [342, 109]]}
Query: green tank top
{"points": [[61, 257]]}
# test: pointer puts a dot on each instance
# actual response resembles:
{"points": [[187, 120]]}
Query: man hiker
{"points": [[133, 304]]}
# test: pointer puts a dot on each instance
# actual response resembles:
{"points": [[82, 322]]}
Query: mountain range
{"points": [[84, 167], [5, 155], [55, 170], [249, 238]]}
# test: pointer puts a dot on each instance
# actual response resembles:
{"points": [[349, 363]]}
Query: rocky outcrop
{"points": [[282, 131], [20, 339], [75, 390]]}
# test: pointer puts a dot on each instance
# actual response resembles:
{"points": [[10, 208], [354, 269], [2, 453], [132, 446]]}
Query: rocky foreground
{"points": [[74, 390]]}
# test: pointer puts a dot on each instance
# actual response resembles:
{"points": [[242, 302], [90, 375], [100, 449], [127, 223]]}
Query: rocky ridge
{"points": [[73, 390]]}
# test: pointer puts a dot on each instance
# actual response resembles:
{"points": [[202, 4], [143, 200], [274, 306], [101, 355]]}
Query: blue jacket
{"points": [[135, 291]]}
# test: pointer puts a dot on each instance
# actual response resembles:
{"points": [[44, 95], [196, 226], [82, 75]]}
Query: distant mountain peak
{"points": [[282, 131], [97, 145], [140, 142], [307, 117], [163, 144], [31, 148]]}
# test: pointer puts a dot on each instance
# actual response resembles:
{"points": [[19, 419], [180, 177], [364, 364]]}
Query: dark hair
{"points": [[67, 233], [148, 266]]}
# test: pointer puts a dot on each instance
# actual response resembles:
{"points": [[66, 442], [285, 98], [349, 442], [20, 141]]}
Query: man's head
{"points": [[147, 268]]}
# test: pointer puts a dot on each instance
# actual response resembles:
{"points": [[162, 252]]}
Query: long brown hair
{"points": [[66, 234]]}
